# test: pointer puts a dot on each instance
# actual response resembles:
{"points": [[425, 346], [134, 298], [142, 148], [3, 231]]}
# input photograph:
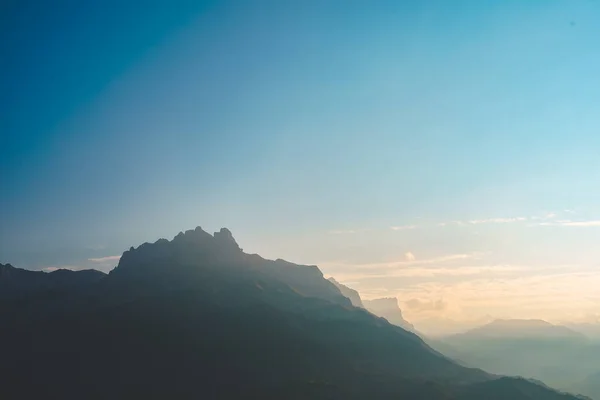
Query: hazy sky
{"points": [[446, 153]]}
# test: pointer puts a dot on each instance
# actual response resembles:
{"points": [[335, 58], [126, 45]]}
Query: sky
{"points": [[444, 153]]}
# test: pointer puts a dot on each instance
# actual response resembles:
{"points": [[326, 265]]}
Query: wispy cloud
{"points": [[503, 220], [402, 227], [428, 273], [426, 305], [409, 260], [583, 224], [105, 259], [547, 216], [497, 220]]}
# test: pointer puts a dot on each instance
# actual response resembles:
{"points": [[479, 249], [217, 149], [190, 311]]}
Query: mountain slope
{"points": [[515, 328], [196, 317], [388, 309], [555, 355], [590, 386], [349, 293]]}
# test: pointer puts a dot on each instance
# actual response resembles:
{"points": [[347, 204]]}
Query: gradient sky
{"points": [[446, 153]]}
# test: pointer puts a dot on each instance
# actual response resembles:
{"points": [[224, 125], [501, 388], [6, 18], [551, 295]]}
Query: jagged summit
{"points": [[197, 236], [191, 235], [197, 256], [225, 237]]}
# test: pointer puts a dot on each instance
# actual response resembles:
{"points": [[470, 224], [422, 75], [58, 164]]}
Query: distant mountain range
{"points": [[554, 354], [590, 386], [520, 328], [16, 282], [196, 317]]}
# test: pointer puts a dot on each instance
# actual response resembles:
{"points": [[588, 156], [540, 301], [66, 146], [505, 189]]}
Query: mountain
{"points": [[388, 308], [196, 317], [517, 328], [591, 330], [349, 293], [590, 386], [20, 282], [553, 354]]}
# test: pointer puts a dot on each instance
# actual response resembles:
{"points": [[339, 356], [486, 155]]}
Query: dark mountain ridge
{"points": [[198, 317], [21, 282]]}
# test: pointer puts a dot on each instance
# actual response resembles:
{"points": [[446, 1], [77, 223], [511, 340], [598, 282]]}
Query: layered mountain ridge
{"points": [[197, 317]]}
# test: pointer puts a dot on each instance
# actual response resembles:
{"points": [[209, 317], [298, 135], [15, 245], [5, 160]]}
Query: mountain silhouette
{"points": [[388, 308], [348, 292], [553, 354], [196, 317], [522, 328], [16, 282], [590, 386]]}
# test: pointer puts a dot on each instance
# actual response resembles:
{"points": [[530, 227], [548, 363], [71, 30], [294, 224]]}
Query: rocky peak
{"points": [[225, 237], [197, 235], [5, 270]]}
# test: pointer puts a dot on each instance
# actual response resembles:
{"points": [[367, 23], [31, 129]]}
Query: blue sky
{"points": [[310, 130]]}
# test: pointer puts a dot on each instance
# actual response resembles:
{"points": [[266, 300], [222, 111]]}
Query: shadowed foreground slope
{"points": [[196, 317]]}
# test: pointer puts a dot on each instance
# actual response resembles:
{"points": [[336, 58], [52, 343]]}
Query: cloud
{"points": [[584, 224], [105, 259], [431, 274], [565, 293], [425, 305], [489, 221], [581, 223], [411, 260], [402, 227], [405, 266], [497, 220]]}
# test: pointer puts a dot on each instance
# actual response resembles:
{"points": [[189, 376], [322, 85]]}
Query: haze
{"points": [[445, 153]]}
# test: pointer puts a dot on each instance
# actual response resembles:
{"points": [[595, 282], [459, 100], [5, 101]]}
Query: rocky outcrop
{"points": [[388, 308], [349, 293]]}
